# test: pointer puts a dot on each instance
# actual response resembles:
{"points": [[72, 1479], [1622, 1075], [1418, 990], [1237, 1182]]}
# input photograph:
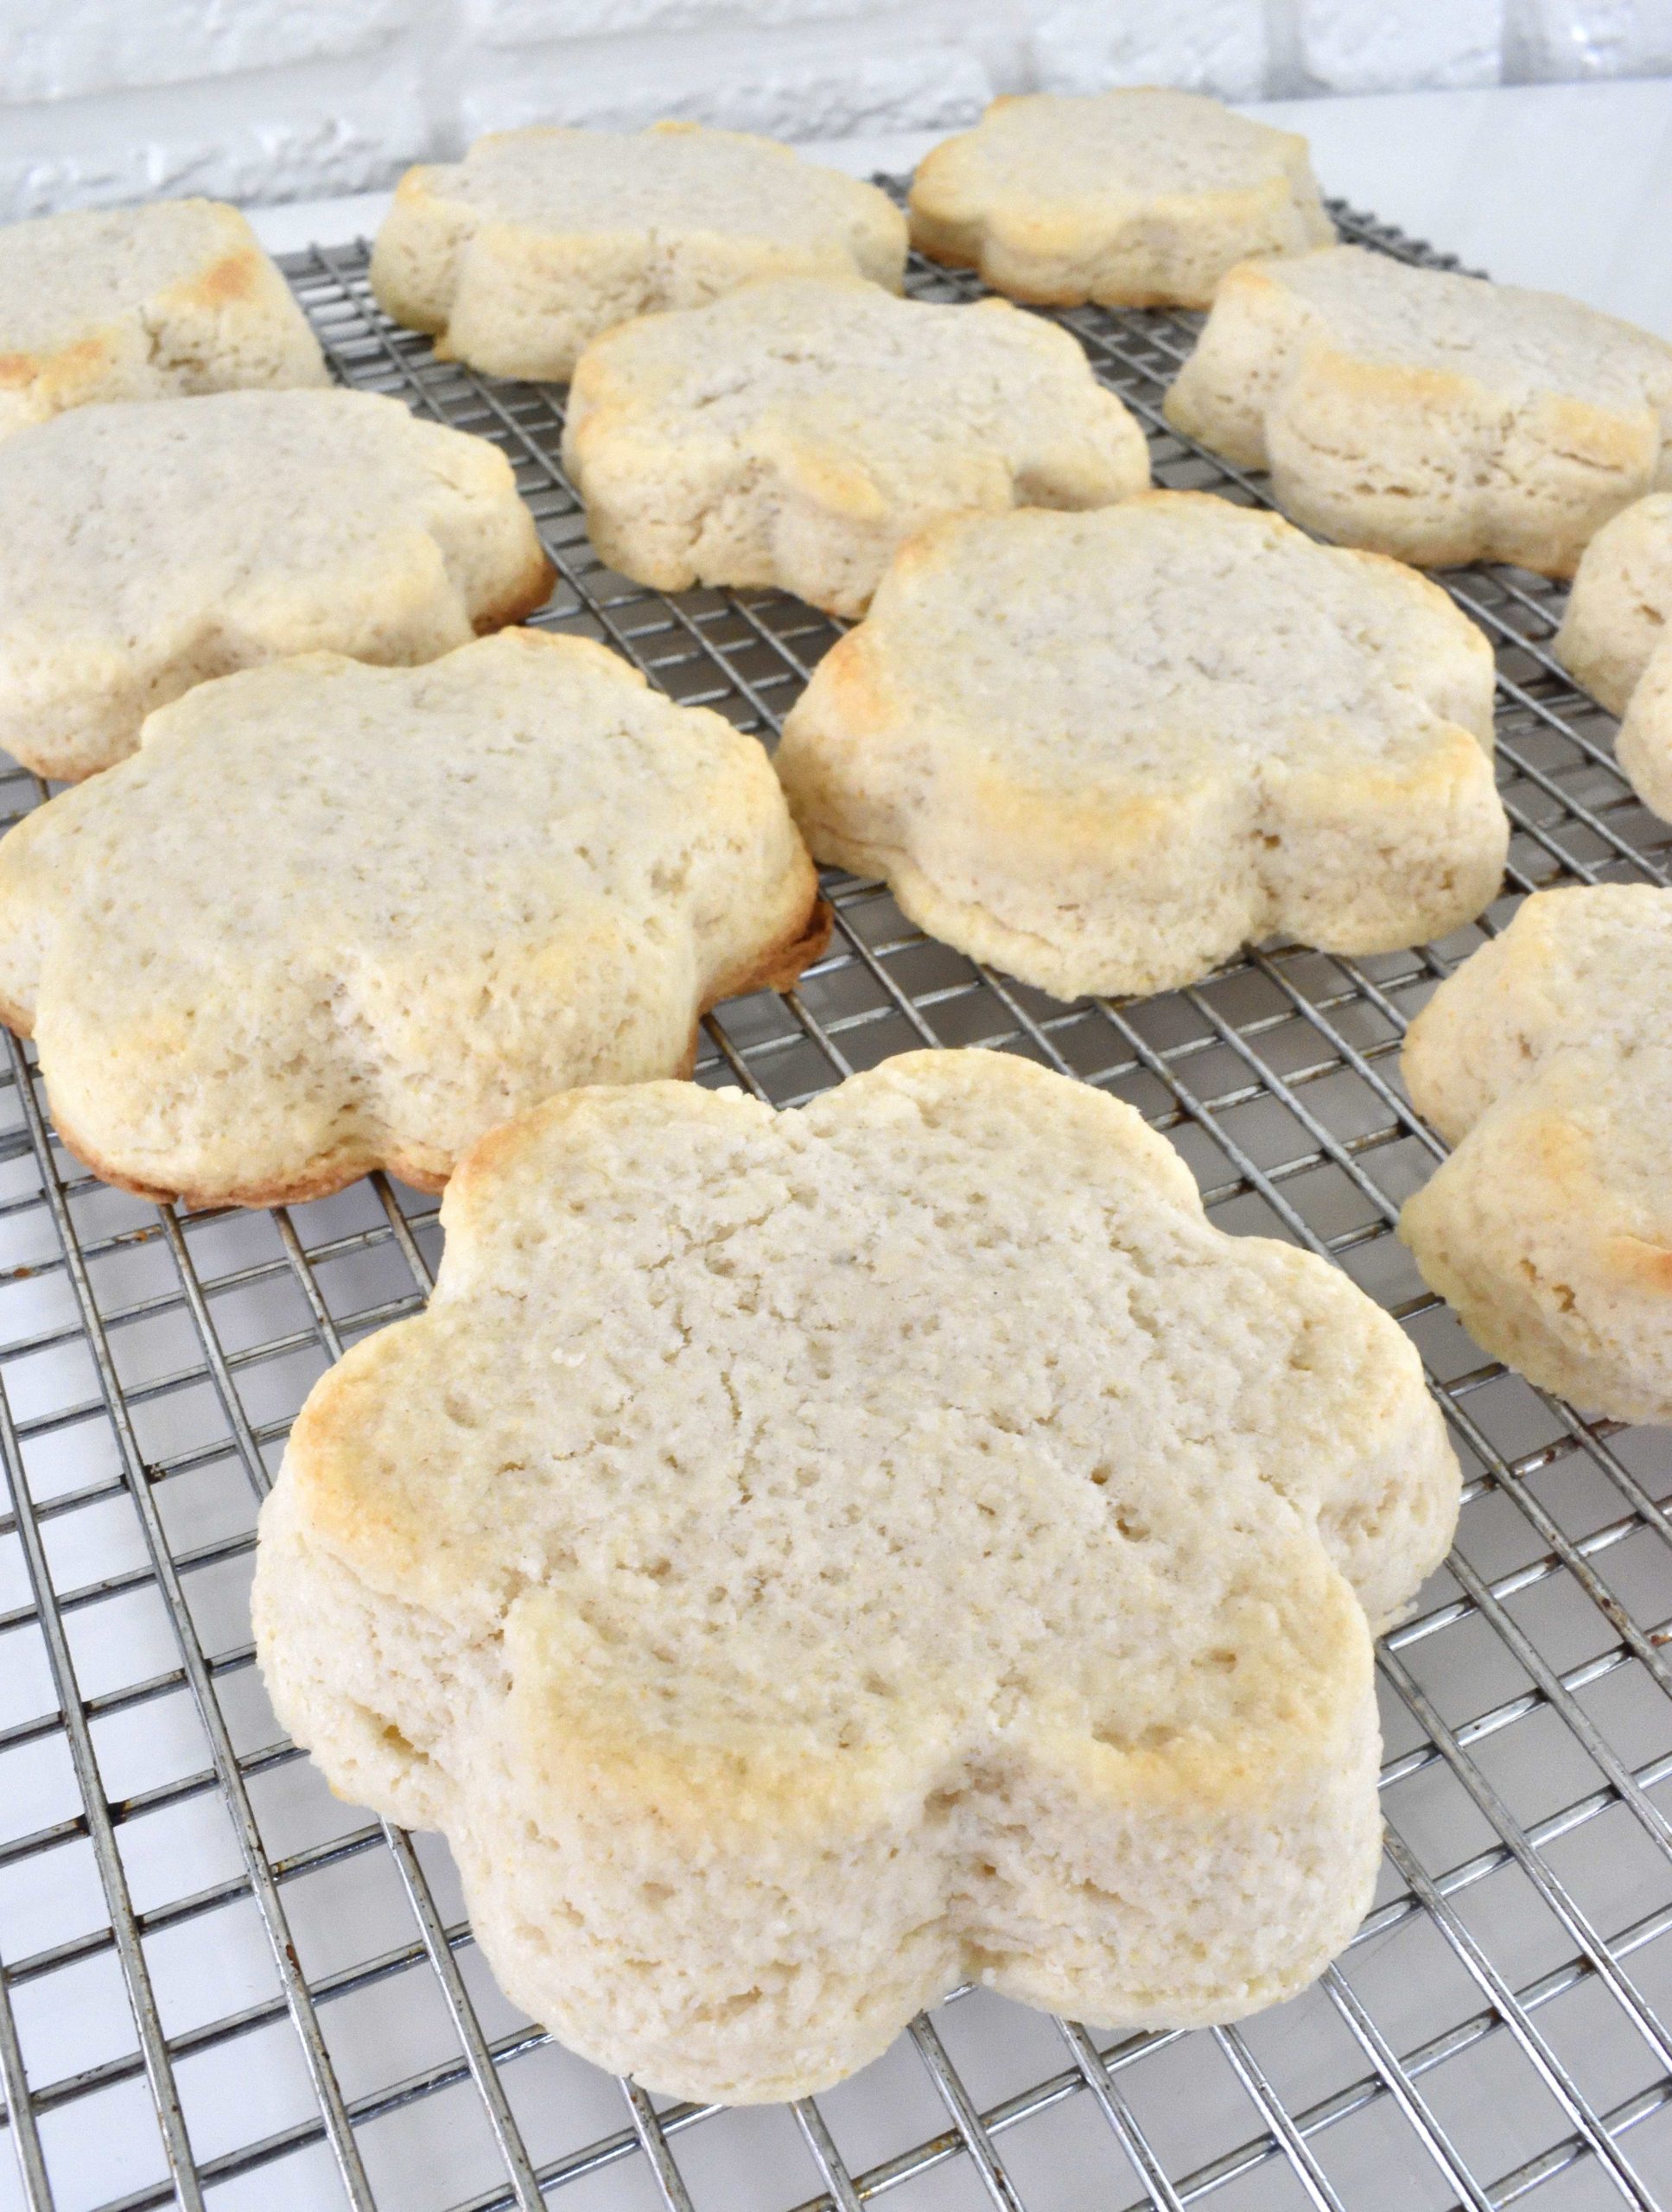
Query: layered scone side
{"points": [[147, 302], [625, 1582], [1614, 639], [541, 239], [1643, 748], [1429, 415], [1104, 751], [795, 432], [1619, 607], [196, 537], [1136, 198], [1544, 1060], [431, 897]]}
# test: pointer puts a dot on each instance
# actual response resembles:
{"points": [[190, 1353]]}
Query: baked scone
{"points": [[1546, 1061], [1621, 603], [144, 548], [538, 240], [142, 303], [1433, 416], [804, 1561], [797, 431], [1614, 639], [1103, 751], [1138, 198], [333, 917]]}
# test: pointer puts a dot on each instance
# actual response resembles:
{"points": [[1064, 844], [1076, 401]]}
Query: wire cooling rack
{"points": [[221, 1986]]}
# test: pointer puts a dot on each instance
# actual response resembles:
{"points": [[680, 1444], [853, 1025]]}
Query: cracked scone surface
{"points": [[1614, 638], [805, 1560], [1136, 198], [333, 917], [520, 255], [1546, 1061], [1437, 417], [146, 548], [1102, 751], [795, 432], [150, 302]]}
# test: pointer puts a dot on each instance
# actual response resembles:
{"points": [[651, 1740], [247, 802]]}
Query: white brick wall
{"points": [[104, 100], [1555, 39], [1384, 46], [1206, 46]]}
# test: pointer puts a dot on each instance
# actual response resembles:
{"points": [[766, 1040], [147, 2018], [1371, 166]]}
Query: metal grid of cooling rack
{"points": [[218, 1985]]}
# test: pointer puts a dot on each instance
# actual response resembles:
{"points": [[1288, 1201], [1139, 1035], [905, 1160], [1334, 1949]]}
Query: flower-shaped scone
{"points": [[1104, 750], [804, 1561], [1614, 638], [525, 251], [1547, 1061], [1136, 198], [144, 549], [142, 303], [1431, 415], [796, 431], [333, 917]]}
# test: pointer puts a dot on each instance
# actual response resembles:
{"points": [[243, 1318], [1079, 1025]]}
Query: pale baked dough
{"points": [[521, 254], [1138, 198], [1546, 1061], [1433, 416], [804, 1561], [1614, 638], [1103, 751], [1617, 610], [142, 303], [795, 432], [144, 548], [333, 917]]}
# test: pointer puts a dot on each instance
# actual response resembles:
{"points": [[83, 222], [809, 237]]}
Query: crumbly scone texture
{"points": [[145, 548], [797, 432], [1545, 1060], [1643, 748], [148, 302], [1137, 198], [332, 916], [519, 255], [804, 1561], [1433, 416], [1103, 751], [1614, 638], [1620, 605]]}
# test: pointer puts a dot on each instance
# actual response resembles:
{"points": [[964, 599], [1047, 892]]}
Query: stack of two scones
{"points": [[801, 1560]]}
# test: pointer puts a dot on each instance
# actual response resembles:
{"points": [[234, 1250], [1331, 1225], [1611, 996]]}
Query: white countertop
{"points": [[1568, 187]]}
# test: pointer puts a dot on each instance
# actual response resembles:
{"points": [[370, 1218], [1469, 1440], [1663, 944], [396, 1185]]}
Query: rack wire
{"points": [[219, 1986]]}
